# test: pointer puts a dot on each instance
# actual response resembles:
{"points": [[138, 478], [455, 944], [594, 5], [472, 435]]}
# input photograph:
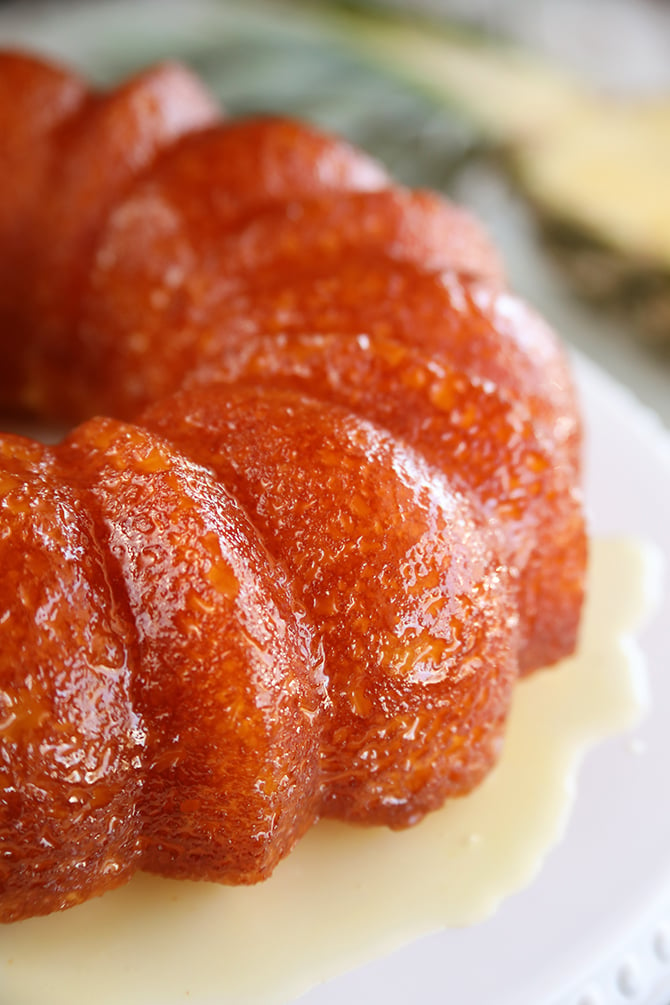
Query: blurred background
{"points": [[549, 118]]}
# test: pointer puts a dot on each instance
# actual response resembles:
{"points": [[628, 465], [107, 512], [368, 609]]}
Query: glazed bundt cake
{"points": [[332, 514]]}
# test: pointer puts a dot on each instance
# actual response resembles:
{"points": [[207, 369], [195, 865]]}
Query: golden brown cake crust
{"points": [[333, 514]]}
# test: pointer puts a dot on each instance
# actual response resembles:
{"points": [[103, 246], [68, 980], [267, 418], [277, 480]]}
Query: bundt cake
{"points": [[332, 514]]}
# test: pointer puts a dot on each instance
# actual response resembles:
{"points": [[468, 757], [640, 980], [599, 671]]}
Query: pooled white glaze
{"points": [[347, 894]]}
